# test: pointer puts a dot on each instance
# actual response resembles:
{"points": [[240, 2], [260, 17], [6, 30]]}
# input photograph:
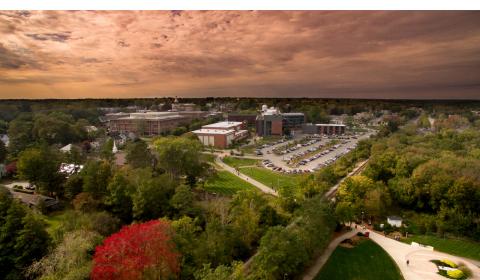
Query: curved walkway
{"points": [[255, 183], [419, 268], [321, 260]]}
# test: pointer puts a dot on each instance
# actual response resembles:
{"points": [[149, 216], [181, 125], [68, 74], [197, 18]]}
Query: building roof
{"points": [[225, 125], [293, 114], [214, 131], [329, 124], [66, 148], [394, 218]]}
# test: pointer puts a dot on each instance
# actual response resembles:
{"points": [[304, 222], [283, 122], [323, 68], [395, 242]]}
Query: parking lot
{"points": [[310, 154]]}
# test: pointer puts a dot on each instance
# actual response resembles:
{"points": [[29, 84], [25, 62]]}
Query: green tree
{"points": [[96, 176], [3, 152], [23, 238], [138, 154], [73, 186], [40, 166], [180, 156], [106, 151], [3, 127], [344, 212], [119, 197], [32, 241], [182, 200], [280, 255], [151, 197], [20, 134]]}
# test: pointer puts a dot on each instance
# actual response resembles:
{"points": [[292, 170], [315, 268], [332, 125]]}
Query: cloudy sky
{"points": [[60, 54]]}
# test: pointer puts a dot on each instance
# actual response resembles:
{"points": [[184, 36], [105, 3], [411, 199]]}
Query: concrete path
{"points": [[255, 183], [321, 260], [420, 267]]}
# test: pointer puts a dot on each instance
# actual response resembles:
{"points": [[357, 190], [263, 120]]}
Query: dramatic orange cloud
{"points": [[88, 54]]}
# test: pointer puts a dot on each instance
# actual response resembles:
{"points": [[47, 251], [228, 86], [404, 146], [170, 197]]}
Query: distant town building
{"points": [[70, 168], [150, 123], [91, 128], [5, 139], [221, 134], [394, 221], [326, 129], [66, 149]]}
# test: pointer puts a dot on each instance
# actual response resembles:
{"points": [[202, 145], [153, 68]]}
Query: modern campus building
{"points": [[249, 119], [221, 134], [150, 123], [272, 122], [320, 128]]}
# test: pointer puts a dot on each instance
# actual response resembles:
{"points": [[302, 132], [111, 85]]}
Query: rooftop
{"points": [[329, 124], [225, 124], [293, 114], [213, 131]]}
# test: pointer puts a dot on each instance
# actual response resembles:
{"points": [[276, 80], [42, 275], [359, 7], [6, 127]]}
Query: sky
{"points": [[335, 54]]}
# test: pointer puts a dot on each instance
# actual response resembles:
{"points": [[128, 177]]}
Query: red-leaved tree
{"points": [[137, 251]]}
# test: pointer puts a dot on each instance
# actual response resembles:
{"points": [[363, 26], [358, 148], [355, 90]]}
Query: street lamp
{"points": [[362, 216]]}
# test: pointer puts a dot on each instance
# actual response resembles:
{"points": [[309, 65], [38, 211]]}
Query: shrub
{"points": [[449, 263], [455, 274], [466, 271]]}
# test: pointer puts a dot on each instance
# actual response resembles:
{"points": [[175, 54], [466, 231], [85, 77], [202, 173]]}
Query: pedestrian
{"points": [[408, 262]]}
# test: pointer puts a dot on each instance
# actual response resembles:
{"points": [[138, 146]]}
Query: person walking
{"points": [[408, 262]]}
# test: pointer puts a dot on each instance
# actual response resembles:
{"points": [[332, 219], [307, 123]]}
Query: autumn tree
{"points": [[138, 251]]}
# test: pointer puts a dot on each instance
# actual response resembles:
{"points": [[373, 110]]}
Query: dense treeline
{"points": [[22, 237], [432, 179]]}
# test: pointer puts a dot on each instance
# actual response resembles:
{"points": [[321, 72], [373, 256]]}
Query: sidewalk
{"points": [[321, 260]]}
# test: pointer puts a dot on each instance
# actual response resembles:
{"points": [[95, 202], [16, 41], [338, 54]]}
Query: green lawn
{"points": [[53, 221], [458, 247], [271, 178], [226, 183], [238, 162], [366, 261]]}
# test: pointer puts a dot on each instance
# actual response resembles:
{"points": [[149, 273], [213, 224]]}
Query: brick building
{"points": [[327, 129], [150, 123], [221, 134]]}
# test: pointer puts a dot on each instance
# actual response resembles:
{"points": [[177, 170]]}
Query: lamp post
{"points": [[362, 216]]}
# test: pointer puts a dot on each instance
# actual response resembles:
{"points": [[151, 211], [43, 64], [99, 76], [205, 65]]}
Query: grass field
{"points": [[53, 221], [238, 162], [458, 247], [366, 261], [271, 178], [226, 183]]}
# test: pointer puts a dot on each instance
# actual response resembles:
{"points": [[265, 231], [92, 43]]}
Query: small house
{"points": [[394, 221]]}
